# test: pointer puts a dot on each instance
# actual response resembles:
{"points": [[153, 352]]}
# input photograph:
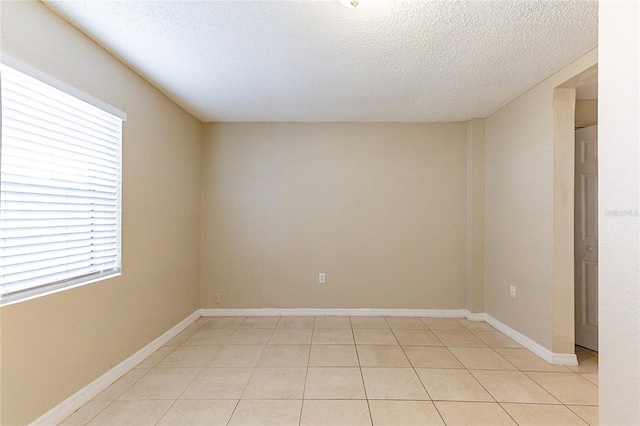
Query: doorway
{"points": [[586, 238], [586, 216]]}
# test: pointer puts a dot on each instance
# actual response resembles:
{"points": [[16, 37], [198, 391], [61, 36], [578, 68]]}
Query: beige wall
{"points": [[586, 112], [520, 213], [380, 208], [475, 215], [54, 345], [563, 301]]}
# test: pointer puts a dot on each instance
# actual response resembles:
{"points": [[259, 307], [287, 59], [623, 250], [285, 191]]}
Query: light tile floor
{"points": [[346, 371]]}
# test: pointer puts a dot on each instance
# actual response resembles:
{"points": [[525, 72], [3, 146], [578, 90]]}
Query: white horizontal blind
{"points": [[60, 189]]}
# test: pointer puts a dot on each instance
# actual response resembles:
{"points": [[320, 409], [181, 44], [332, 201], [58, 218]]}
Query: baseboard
{"points": [[533, 346], [84, 395], [435, 313], [564, 359], [476, 316]]}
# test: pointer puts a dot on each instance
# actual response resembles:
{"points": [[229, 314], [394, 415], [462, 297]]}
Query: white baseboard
{"points": [[564, 359], [533, 346], [84, 395], [476, 316], [435, 313]]}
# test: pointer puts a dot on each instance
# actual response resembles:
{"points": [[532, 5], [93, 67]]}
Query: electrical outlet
{"points": [[216, 298], [512, 291], [321, 278]]}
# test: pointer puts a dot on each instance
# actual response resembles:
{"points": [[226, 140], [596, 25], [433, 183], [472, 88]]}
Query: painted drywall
{"points": [[586, 113], [475, 215], [563, 301], [519, 210], [54, 345], [379, 207], [618, 229]]}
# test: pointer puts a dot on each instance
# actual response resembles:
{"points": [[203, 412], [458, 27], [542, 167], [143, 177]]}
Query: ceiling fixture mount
{"points": [[353, 4]]}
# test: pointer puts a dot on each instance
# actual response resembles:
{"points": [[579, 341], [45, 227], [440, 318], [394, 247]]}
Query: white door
{"points": [[586, 237]]}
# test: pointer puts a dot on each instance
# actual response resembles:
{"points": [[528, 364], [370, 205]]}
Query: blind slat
{"points": [[53, 214], [48, 223], [53, 146], [22, 153], [26, 133], [33, 100], [55, 96], [13, 233], [50, 130], [11, 244], [50, 275], [43, 247], [33, 171], [55, 190], [35, 206], [32, 267]]}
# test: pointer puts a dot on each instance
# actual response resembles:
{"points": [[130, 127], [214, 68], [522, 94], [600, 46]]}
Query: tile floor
{"points": [[350, 371]]}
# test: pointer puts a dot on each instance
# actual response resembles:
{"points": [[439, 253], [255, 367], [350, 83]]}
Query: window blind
{"points": [[60, 189]]}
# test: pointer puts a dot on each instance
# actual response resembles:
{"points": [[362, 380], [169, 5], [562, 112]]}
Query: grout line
{"points": [[467, 370], [545, 389], [233, 411], [254, 368], [410, 363], [416, 373], [505, 410], [194, 377], [582, 418], [238, 400], [304, 388], [364, 387], [94, 416]]}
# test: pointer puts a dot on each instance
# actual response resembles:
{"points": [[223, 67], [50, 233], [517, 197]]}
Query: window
{"points": [[60, 186]]}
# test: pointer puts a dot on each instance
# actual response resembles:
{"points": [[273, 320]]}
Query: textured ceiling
{"points": [[320, 61]]}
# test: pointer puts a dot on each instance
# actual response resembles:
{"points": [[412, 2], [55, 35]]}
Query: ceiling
{"points": [[299, 61]]}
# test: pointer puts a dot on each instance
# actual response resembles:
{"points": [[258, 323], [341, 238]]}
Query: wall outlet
{"points": [[512, 291], [216, 298], [321, 278]]}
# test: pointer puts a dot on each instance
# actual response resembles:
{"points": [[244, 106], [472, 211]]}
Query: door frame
{"points": [[564, 100]]}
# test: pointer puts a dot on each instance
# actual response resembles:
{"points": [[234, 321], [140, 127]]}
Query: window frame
{"points": [[66, 284]]}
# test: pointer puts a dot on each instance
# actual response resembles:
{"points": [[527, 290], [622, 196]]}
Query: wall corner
{"points": [[475, 215]]}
